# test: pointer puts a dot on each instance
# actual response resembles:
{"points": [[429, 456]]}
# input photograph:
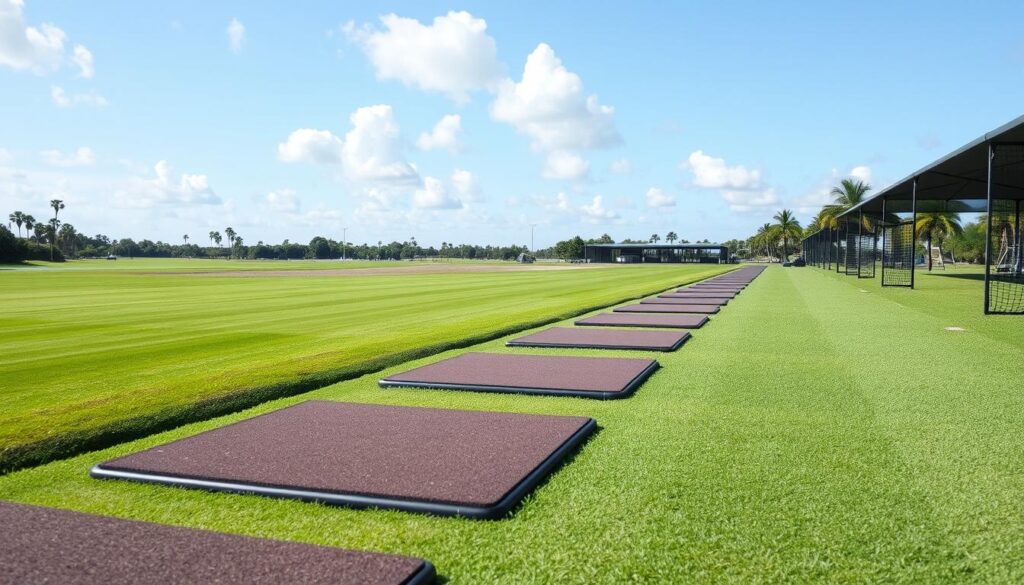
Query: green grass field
{"points": [[819, 429], [98, 351]]}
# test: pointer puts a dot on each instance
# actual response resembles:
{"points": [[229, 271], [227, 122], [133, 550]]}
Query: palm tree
{"points": [[671, 237], [17, 218], [230, 233], [51, 234], [30, 222], [937, 225], [66, 237], [655, 238], [846, 195], [57, 205], [787, 227], [185, 238]]}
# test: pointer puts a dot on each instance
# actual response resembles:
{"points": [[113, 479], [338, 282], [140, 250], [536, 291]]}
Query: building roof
{"points": [[692, 245], [954, 182]]}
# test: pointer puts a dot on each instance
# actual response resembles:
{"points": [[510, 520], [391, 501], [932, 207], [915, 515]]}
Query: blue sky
{"points": [[288, 121]]}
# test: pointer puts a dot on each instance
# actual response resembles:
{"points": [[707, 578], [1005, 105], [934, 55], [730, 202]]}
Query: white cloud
{"points": [[81, 157], [466, 186], [565, 165], [739, 186], [596, 212], [655, 197], [454, 55], [309, 145], [236, 35], [621, 167], [549, 105], [444, 135], [433, 195], [861, 173], [82, 57], [713, 173], [371, 151], [750, 200], [25, 47], [63, 100], [285, 200], [5, 156], [164, 190]]}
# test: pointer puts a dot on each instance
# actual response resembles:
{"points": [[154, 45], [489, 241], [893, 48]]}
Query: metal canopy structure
{"points": [[702, 253], [984, 176]]}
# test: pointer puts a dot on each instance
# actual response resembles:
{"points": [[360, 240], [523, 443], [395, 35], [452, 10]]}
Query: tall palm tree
{"points": [[57, 205], [230, 234], [185, 238], [937, 225], [846, 195], [787, 227], [51, 234], [17, 218], [655, 238], [671, 237], [30, 222]]}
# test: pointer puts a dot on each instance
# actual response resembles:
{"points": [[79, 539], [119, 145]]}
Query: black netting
{"points": [[897, 253], [852, 255], [1006, 278], [867, 250]]}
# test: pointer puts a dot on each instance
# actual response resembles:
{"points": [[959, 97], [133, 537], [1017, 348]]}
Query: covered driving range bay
{"points": [[585, 377], [447, 462], [46, 545], [878, 236]]}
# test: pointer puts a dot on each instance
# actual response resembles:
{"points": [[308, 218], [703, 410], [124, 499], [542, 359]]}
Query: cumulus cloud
{"points": [[713, 173], [64, 100], [454, 55], [82, 57], [444, 135], [163, 189], [565, 165], [236, 35], [739, 186], [466, 186], [596, 212], [284, 200], [309, 145], [550, 106], [369, 151], [821, 193], [5, 156], [434, 195], [621, 167], [655, 197], [36, 49], [861, 173], [81, 157], [25, 47]]}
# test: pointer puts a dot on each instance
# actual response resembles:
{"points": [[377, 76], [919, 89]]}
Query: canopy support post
{"points": [[913, 232], [988, 224]]}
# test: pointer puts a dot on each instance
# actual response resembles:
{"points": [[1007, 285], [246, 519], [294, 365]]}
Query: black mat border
{"points": [[619, 310], [580, 323], [628, 389], [686, 337], [502, 507]]}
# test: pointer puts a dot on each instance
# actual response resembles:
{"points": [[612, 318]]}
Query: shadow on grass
{"points": [[70, 444]]}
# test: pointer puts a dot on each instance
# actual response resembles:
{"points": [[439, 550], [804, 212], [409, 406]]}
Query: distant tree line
{"points": [[574, 248]]}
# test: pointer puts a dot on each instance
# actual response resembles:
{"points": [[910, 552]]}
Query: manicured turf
{"points": [[811, 431], [97, 348]]}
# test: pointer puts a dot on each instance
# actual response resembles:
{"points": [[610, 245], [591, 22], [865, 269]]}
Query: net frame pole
{"points": [[988, 224], [913, 232], [1017, 236], [881, 225]]}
